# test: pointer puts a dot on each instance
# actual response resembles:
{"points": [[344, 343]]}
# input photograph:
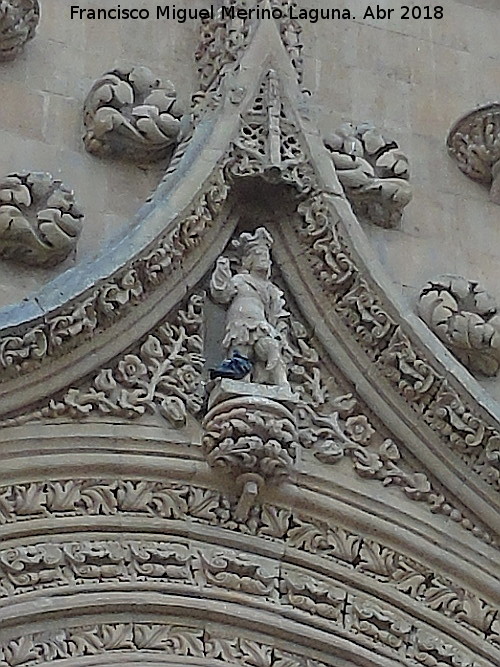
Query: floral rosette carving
{"points": [[131, 114], [162, 377], [39, 220], [464, 317], [342, 432], [251, 434], [373, 171], [18, 22], [474, 142]]}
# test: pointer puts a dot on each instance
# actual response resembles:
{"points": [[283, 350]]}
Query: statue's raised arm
{"points": [[222, 288]]}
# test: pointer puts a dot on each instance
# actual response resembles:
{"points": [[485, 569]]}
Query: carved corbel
{"points": [[39, 221], [18, 22], [250, 433], [373, 171], [474, 142], [131, 114], [464, 317]]}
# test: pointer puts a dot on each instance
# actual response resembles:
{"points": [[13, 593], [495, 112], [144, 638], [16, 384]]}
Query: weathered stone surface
{"points": [[349, 515], [39, 220], [130, 114], [18, 22]]}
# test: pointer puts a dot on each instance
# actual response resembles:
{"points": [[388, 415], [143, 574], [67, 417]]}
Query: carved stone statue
{"points": [[255, 319]]}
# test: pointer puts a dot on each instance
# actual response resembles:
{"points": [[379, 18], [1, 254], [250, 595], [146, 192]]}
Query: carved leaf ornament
{"points": [[343, 591], [129, 113], [18, 22], [39, 220], [474, 142]]}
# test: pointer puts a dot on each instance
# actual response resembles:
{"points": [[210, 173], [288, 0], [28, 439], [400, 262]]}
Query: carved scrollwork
{"points": [[251, 434], [18, 22], [374, 172], [464, 317], [39, 221], [224, 37], [131, 114], [163, 376], [474, 142]]}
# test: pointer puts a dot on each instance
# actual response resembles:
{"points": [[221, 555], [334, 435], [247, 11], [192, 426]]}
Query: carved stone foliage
{"points": [[105, 303], [162, 376], [464, 316], [251, 434], [148, 639], [268, 144], [374, 172], [18, 22], [474, 142], [39, 221], [283, 584], [131, 114], [396, 356], [223, 39]]}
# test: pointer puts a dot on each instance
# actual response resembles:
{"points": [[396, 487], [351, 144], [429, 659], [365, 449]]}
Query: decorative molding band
{"points": [[36, 566]]}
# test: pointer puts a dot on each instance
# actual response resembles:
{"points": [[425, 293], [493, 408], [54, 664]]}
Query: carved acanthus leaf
{"points": [[129, 113], [474, 142], [39, 221], [374, 173], [18, 22], [464, 316]]}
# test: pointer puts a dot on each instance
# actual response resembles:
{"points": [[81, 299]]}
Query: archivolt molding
{"points": [[18, 22], [278, 561]]}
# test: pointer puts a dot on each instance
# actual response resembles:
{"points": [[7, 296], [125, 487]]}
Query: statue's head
{"points": [[256, 251]]}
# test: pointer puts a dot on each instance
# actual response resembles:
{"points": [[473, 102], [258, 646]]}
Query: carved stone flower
{"points": [[187, 377], [39, 221], [18, 22], [131, 369], [359, 429], [131, 114]]}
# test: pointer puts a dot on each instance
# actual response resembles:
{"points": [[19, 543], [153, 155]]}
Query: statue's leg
{"points": [[271, 368]]}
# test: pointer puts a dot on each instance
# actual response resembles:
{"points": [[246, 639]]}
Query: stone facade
{"points": [[227, 435]]}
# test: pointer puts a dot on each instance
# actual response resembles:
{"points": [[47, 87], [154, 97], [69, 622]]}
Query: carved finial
{"points": [[474, 142], [18, 22]]}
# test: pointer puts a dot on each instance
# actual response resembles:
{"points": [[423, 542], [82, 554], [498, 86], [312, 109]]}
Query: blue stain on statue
{"points": [[235, 368]]}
